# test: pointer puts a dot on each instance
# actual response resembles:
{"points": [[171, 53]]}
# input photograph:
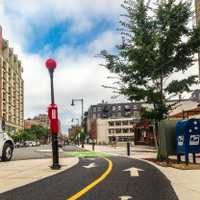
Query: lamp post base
{"points": [[55, 167], [55, 152]]}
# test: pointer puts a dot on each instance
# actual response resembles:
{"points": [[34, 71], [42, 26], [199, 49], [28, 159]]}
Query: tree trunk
{"points": [[156, 139], [156, 126]]}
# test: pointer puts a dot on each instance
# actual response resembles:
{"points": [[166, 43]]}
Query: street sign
{"points": [[53, 118]]}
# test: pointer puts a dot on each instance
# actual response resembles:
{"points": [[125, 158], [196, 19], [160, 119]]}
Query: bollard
{"points": [[128, 148], [93, 144], [178, 158], [194, 158], [186, 159], [82, 145]]}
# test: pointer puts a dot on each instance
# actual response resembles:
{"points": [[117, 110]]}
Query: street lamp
{"points": [[73, 104], [53, 116]]}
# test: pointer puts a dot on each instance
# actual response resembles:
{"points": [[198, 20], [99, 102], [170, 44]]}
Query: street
{"points": [[99, 178], [43, 151]]}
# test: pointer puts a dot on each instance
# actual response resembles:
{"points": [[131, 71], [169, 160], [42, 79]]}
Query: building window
{"points": [[111, 123], [114, 115], [99, 109], [125, 123], [118, 130], [135, 106], [127, 107], [113, 108], [125, 130], [136, 115], [110, 131], [127, 114], [131, 130], [119, 114], [94, 109], [118, 123], [119, 108]]}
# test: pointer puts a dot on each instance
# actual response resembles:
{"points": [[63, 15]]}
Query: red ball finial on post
{"points": [[51, 64]]}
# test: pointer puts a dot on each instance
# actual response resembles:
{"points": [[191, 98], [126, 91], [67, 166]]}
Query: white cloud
{"points": [[24, 17], [107, 41]]}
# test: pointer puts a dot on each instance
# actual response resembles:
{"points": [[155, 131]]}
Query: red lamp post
{"points": [[53, 116]]}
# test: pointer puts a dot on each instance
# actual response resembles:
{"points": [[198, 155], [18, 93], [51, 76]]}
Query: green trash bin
{"points": [[167, 138]]}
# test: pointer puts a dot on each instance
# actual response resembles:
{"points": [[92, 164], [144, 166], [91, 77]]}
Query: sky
{"points": [[72, 32]]}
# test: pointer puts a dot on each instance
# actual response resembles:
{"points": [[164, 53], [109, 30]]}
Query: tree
{"points": [[39, 132], [36, 132], [157, 42]]}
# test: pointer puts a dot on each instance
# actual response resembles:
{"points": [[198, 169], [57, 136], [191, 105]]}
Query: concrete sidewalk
{"points": [[14, 174], [136, 151], [186, 183]]}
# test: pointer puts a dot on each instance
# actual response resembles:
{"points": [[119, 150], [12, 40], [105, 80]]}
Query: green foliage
{"points": [[79, 134], [36, 132], [39, 132], [157, 42]]}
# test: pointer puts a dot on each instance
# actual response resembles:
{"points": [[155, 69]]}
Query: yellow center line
{"points": [[93, 184]]}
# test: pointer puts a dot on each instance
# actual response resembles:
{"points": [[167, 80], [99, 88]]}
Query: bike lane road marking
{"points": [[94, 183]]}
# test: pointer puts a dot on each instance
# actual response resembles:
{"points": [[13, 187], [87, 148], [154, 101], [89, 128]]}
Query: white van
{"points": [[6, 146]]}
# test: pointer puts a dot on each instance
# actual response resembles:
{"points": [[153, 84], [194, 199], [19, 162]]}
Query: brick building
{"points": [[41, 119]]}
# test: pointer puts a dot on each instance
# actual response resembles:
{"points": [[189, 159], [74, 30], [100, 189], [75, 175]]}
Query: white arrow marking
{"points": [[133, 171], [91, 165], [125, 197]]}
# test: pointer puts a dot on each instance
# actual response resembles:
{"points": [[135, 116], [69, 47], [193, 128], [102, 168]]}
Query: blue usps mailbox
{"points": [[187, 138]]}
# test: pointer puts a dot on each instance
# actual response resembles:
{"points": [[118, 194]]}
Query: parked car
{"points": [[17, 145], [37, 143], [6, 146], [34, 144], [30, 143]]}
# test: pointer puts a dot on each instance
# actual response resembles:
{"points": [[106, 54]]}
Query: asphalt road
{"points": [[31, 153], [150, 184], [39, 152]]}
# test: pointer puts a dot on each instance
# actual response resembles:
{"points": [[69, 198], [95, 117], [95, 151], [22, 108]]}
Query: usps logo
{"points": [[194, 140], [180, 140]]}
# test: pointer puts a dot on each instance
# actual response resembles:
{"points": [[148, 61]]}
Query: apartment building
{"points": [[11, 87], [106, 131], [112, 111]]}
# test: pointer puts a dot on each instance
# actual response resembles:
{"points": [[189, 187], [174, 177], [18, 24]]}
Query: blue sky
{"points": [[70, 31], [57, 35]]}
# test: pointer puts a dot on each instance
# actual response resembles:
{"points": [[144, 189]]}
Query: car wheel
{"points": [[7, 152]]}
